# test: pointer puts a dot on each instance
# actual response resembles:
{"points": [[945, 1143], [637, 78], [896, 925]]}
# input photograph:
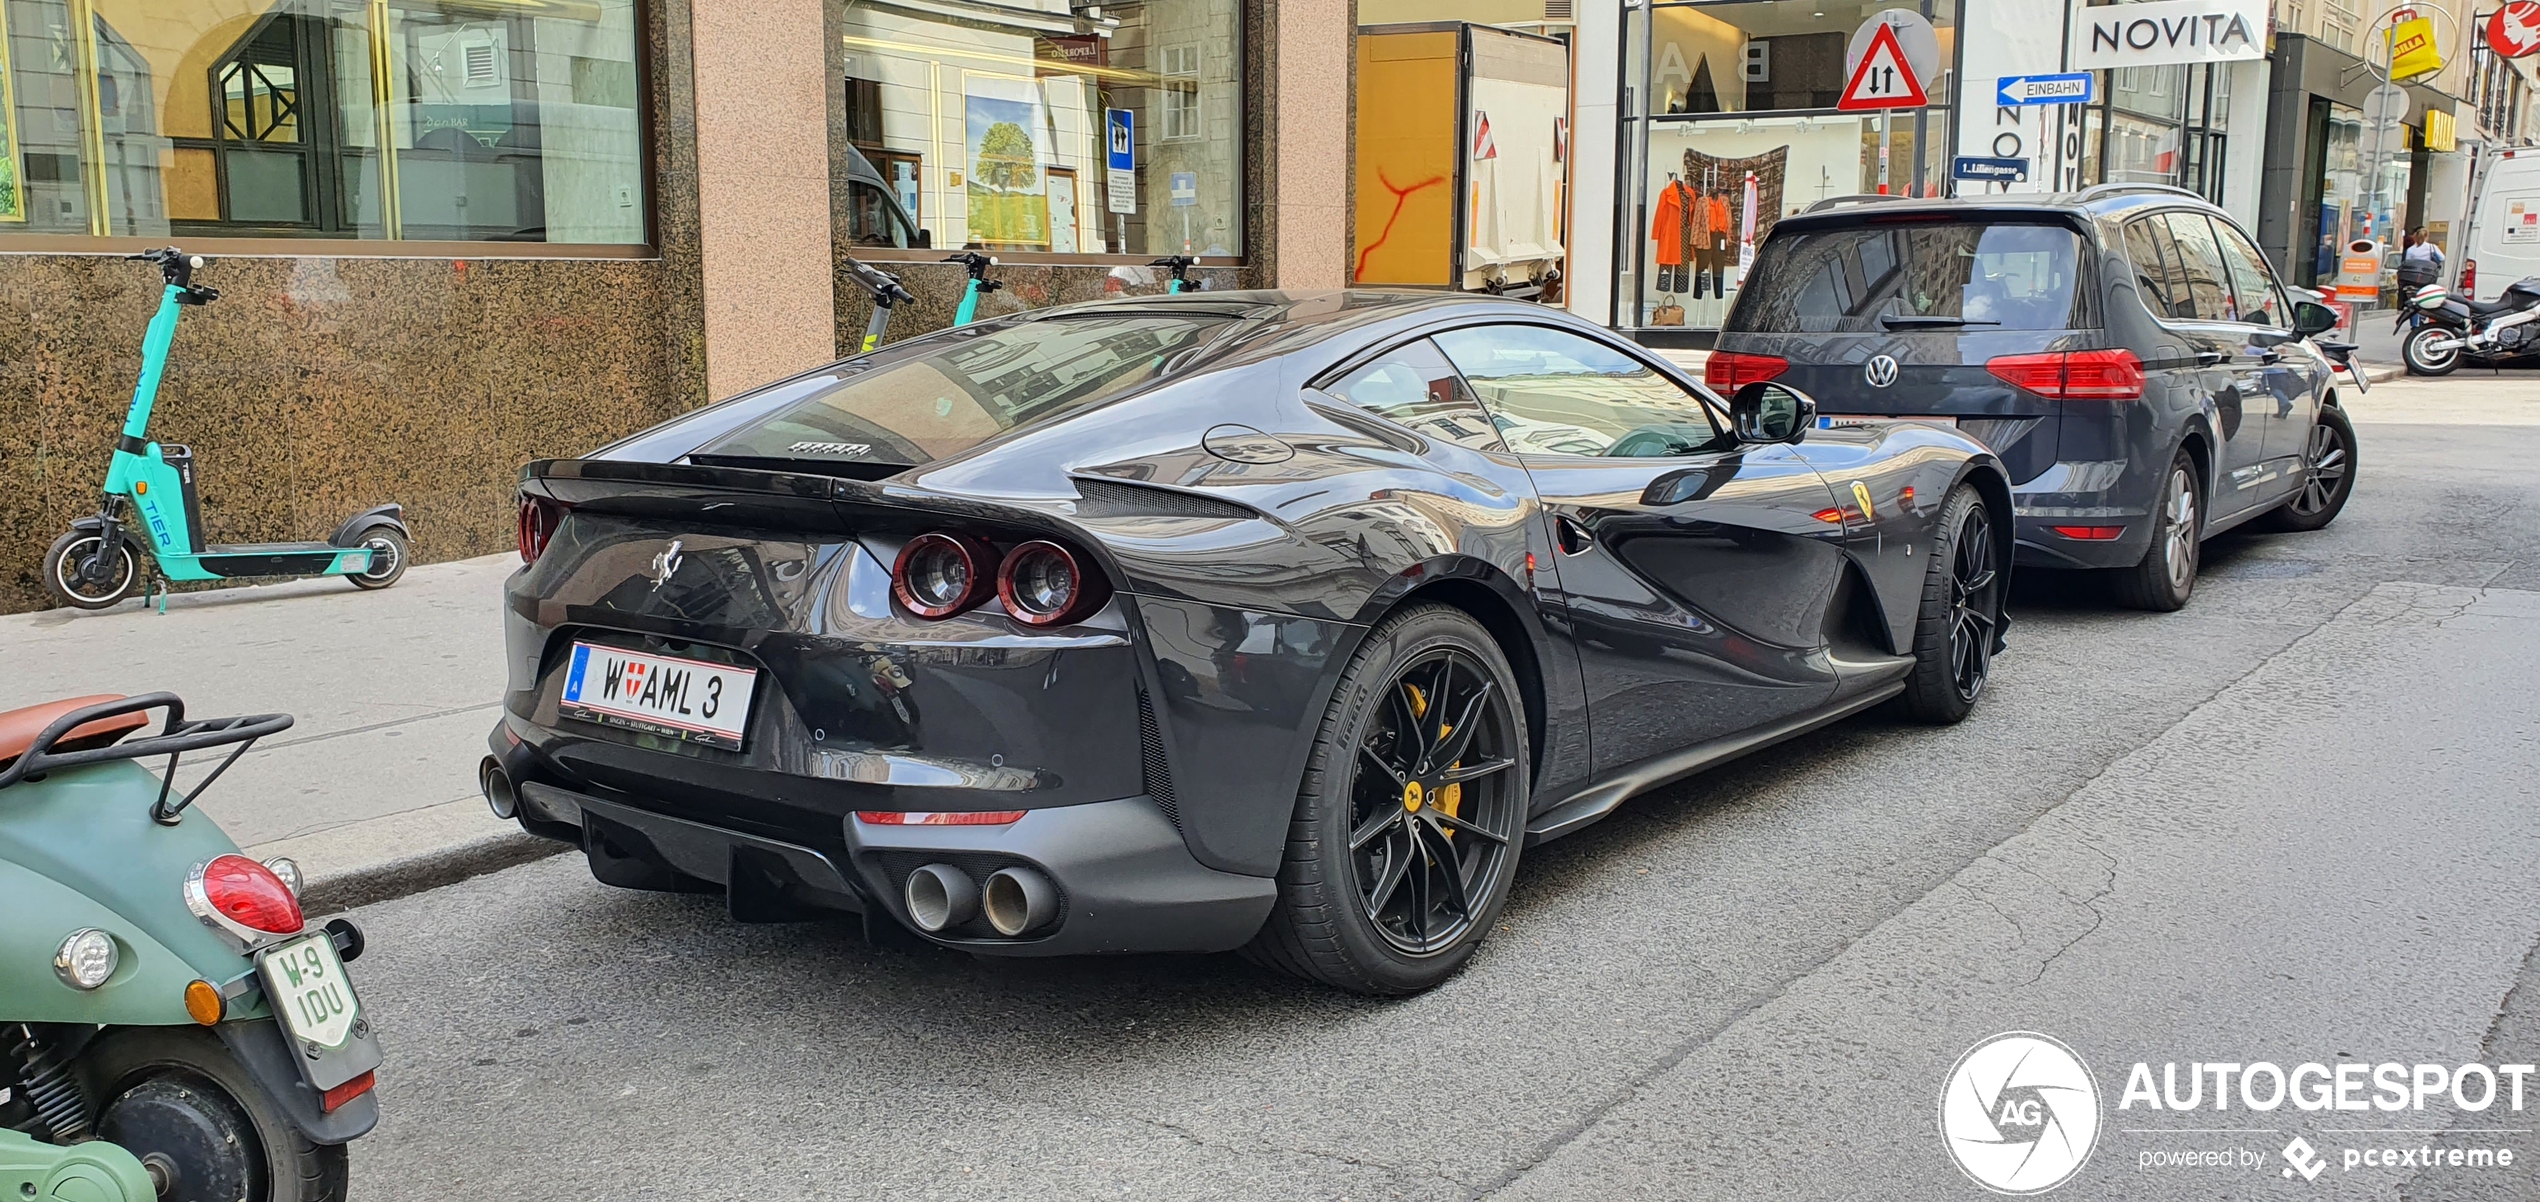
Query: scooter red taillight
{"points": [[539, 518], [246, 894]]}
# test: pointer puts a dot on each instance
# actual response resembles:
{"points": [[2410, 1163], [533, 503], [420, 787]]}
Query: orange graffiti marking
{"points": [[1400, 196]]}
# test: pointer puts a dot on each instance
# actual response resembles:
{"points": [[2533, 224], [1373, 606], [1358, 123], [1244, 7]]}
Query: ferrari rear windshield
{"points": [[963, 390], [1883, 277]]}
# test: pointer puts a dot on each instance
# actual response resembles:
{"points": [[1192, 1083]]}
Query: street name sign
{"points": [[1991, 170]]}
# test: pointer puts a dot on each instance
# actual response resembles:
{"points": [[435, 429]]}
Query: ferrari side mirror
{"points": [[1769, 412]]}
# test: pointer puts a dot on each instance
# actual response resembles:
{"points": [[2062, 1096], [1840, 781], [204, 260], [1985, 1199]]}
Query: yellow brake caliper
{"points": [[1450, 798]]}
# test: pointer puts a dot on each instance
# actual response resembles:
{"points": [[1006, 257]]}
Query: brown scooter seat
{"points": [[19, 727]]}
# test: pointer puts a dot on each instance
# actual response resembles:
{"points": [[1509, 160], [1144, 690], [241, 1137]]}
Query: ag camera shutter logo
{"points": [[2019, 1113]]}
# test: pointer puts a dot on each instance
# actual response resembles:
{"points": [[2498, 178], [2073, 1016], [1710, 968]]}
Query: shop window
{"points": [[1741, 131], [413, 119], [994, 126]]}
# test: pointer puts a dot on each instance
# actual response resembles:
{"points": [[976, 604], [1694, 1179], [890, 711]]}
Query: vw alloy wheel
{"points": [[2178, 542], [2324, 463]]}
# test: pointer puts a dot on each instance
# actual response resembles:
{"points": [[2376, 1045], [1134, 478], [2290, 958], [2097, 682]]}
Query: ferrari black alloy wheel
{"points": [[2328, 475], [1411, 815], [1961, 615]]}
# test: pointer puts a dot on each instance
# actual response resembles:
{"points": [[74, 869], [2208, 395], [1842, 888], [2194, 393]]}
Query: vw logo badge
{"points": [[1880, 371]]}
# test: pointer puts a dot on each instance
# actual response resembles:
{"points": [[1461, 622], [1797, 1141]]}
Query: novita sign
{"points": [[2168, 31]]}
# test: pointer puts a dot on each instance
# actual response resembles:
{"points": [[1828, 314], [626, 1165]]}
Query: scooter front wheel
{"points": [[181, 1102], [76, 581]]}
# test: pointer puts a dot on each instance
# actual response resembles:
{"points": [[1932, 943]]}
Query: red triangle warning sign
{"points": [[1883, 80], [1484, 146]]}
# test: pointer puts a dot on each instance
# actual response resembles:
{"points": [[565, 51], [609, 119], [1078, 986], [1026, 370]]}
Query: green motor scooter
{"points": [[99, 562], [160, 991]]}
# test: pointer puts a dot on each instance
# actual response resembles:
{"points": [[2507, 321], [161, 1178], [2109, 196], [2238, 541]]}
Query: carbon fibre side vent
{"points": [[1117, 499], [1151, 765]]}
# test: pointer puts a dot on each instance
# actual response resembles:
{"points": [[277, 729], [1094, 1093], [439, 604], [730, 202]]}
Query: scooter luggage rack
{"points": [[174, 739]]}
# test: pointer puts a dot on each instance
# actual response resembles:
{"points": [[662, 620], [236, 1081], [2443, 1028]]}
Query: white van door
{"points": [[2504, 240]]}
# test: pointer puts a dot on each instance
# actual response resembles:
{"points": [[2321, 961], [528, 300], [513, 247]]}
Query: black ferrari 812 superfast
{"points": [[1273, 621]]}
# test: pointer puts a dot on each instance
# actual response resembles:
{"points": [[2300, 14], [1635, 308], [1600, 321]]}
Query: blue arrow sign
{"points": [[2006, 171], [2018, 90]]}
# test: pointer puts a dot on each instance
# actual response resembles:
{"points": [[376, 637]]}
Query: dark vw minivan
{"points": [[2125, 350]]}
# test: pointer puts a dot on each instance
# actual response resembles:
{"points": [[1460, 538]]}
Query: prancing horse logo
{"points": [[1880, 371], [665, 565]]}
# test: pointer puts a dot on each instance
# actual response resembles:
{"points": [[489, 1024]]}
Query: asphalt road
{"points": [[2294, 823]]}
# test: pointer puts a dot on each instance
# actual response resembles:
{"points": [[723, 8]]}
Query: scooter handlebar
{"points": [[178, 268]]}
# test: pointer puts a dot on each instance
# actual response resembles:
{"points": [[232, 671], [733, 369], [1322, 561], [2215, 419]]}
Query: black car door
{"points": [[1696, 571]]}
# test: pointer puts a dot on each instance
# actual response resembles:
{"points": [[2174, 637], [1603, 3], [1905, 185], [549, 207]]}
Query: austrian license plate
{"points": [[1838, 421], [305, 983], [664, 694]]}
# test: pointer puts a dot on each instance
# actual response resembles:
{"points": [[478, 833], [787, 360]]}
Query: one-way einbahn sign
{"points": [[2017, 90]]}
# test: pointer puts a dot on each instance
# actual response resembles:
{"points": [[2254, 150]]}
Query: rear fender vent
{"points": [[1157, 773], [1115, 499]]}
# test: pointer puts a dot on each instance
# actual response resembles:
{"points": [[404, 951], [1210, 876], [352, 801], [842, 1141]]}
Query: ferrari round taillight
{"points": [[1045, 584], [539, 518], [938, 575], [246, 894]]}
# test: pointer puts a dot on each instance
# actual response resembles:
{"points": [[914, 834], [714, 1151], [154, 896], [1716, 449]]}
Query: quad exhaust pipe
{"points": [[1019, 901], [497, 785], [940, 896], [1016, 900]]}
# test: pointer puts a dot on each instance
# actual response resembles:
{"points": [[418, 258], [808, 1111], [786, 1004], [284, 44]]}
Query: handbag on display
{"points": [[1668, 313]]}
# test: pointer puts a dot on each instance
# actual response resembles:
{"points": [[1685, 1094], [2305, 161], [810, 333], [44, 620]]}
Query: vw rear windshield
{"points": [[962, 390], [1949, 276]]}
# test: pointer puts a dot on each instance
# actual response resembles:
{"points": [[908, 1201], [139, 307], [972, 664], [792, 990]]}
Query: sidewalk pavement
{"points": [[373, 790]]}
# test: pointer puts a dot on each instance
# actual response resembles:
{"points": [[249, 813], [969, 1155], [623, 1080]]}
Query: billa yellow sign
{"points": [[2441, 131], [2412, 49]]}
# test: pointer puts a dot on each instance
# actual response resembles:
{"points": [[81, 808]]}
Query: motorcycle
{"points": [[160, 991], [2448, 329]]}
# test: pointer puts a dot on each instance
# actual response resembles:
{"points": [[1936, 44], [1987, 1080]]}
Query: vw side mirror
{"points": [[1769, 412], [2311, 318], [925, 239]]}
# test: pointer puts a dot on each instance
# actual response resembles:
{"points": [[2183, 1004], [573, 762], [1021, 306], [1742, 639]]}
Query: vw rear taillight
{"points": [[2102, 375], [938, 575], [539, 518], [1045, 584], [1729, 371], [245, 894]]}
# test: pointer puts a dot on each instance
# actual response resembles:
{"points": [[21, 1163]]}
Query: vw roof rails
{"points": [[1857, 198], [2095, 191]]}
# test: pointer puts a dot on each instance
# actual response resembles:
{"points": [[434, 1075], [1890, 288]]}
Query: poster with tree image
{"points": [[12, 184], [1009, 207]]}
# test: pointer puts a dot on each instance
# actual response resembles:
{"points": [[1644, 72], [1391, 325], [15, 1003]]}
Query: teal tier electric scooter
{"points": [[99, 562], [1178, 269], [977, 266], [887, 295]]}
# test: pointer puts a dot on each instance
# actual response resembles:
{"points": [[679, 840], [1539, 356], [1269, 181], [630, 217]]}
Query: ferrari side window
{"points": [[1416, 387], [1554, 393]]}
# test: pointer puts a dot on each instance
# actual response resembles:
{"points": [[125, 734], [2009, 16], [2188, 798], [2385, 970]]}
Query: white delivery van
{"points": [[2503, 243]]}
